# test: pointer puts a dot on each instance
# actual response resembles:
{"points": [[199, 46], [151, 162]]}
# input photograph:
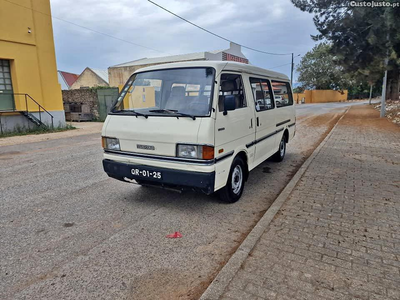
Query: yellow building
{"points": [[28, 73]]}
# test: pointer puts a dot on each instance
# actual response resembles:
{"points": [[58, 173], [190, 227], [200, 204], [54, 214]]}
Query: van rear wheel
{"points": [[280, 154], [235, 185]]}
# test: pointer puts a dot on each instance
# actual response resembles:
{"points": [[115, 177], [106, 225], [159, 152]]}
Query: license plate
{"points": [[146, 173]]}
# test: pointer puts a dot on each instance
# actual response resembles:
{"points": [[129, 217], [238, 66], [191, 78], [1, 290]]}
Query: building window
{"points": [[5, 76]]}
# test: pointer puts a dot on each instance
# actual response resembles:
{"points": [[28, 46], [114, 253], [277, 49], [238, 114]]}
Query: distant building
{"points": [[120, 73], [91, 78], [66, 79], [28, 71]]}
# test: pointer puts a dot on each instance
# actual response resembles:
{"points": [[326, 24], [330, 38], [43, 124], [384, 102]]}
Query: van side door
{"points": [[234, 128], [265, 142]]}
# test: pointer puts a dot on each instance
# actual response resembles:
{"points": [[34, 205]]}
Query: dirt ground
{"points": [[373, 116], [392, 110]]}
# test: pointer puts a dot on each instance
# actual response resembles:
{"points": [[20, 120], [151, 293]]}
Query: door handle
{"points": [[258, 122], [251, 123]]}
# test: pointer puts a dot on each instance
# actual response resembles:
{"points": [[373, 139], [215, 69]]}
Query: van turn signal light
{"points": [[208, 152]]}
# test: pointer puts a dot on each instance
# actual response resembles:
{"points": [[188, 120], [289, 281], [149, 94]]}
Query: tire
{"points": [[280, 154], [233, 190]]}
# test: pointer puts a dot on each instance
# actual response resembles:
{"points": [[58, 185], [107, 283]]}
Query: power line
{"points": [[283, 64], [214, 34], [84, 27], [279, 66]]}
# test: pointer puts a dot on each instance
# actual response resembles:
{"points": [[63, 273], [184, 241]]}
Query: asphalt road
{"points": [[70, 232]]}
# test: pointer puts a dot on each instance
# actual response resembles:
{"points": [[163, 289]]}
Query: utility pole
{"points": [[291, 76], [383, 100], [370, 94]]}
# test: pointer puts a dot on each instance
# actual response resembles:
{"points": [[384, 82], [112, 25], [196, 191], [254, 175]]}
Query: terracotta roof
{"points": [[68, 78]]}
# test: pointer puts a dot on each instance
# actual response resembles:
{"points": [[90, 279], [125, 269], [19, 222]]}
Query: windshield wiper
{"points": [[136, 113], [186, 115], [173, 112]]}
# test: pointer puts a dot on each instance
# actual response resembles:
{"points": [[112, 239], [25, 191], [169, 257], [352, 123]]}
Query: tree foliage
{"points": [[318, 70], [360, 37], [299, 89]]}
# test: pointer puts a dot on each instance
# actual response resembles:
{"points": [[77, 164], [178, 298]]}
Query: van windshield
{"points": [[170, 92]]}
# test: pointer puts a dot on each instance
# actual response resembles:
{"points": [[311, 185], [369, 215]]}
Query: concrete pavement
{"points": [[70, 232], [337, 235]]}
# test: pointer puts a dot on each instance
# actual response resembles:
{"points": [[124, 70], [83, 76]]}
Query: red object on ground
{"points": [[175, 235]]}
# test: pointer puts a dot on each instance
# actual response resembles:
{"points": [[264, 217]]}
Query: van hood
{"points": [[155, 135]]}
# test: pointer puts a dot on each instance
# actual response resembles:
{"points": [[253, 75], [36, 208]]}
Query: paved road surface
{"points": [[317, 109], [70, 232]]}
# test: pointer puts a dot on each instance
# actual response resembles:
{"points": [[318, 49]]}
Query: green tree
{"points": [[299, 89], [360, 37], [318, 70]]}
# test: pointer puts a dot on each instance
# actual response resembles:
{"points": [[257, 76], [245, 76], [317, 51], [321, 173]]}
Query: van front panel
{"points": [[154, 135]]}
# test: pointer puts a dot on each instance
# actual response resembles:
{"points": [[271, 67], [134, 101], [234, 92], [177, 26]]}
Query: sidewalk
{"points": [[338, 234], [82, 128]]}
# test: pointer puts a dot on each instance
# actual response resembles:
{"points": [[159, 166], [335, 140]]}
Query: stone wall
{"points": [[83, 96]]}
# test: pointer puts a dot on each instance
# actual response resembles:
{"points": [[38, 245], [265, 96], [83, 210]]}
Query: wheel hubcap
{"points": [[282, 148], [237, 179]]}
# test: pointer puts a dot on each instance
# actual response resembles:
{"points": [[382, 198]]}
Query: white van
{"points": [[198, 125]]}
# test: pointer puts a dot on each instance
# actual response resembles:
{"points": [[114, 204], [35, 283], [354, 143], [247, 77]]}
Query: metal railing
{"points": [[40, 108]]}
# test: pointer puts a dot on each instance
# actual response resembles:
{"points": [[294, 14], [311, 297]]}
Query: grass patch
{"points": [[37, 130]]}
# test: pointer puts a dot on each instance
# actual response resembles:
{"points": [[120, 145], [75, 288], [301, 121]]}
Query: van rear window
{"points": [[282, 93]]}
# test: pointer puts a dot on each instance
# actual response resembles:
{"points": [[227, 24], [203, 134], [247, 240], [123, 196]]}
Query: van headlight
{"points": [[110, 143], [195, 151]]}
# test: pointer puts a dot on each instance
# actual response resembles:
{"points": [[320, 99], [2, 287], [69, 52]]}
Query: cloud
{"points": [[272, 26]]}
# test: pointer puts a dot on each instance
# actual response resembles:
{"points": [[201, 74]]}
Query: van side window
{"points": [[231, 84], [282, 93], [262, 94]]}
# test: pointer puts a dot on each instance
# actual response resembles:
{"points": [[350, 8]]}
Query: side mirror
{"points": [[229, 103]]}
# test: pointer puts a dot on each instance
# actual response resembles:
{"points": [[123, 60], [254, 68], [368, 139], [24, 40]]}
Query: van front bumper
{"points": [[170, 178]]}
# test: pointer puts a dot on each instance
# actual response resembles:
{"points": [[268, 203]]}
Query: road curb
{"points": [[217, 287]]}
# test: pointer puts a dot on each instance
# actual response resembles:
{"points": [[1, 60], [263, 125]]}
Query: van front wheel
{"points": [[235, 185]]}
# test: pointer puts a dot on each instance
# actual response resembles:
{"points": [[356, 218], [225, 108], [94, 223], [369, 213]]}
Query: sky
{"points": [[269, 25]]}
